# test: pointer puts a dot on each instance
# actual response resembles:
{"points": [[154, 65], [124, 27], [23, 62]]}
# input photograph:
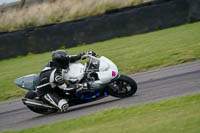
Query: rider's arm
{"points": [[59, 81], [82, 56], [74, 58]]}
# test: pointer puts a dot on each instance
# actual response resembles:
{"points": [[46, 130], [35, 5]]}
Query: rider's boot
{"points": [[57, 101]]}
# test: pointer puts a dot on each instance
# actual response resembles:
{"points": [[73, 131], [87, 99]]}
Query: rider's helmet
{"points": [[60, 58]]}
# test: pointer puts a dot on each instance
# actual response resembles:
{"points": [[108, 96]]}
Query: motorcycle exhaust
{"points": [[31, 102]]}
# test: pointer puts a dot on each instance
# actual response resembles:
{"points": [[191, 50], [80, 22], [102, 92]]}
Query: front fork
{"points": [[112, 84]]}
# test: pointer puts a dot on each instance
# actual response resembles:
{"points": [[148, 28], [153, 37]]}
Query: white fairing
{"points": [[75, 72], [107, 70]]}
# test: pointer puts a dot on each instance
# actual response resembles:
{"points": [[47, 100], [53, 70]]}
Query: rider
{"points": [[51, 80]]}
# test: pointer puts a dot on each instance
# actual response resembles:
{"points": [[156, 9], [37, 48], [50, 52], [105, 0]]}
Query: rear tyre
{"points": [[40, 110], [123, 87]]}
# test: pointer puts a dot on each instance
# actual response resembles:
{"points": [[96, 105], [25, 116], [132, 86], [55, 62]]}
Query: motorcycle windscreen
{"points": [[28, 82]]}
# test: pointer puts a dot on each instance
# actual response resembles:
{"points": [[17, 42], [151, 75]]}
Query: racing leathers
{"points": [[51, 84]]}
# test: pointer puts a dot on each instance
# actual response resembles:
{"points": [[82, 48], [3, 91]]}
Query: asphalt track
{"points": [[154, 85]]}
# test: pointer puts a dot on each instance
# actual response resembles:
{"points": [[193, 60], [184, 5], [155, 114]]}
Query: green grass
{"points": [[131, 54], [180, 115]]}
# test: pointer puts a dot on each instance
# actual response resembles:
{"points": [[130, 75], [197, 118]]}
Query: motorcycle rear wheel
{"points": [[123, 87], [32, 95]]}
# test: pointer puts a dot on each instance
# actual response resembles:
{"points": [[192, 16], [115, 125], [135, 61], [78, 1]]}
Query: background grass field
{"points": [[58, 11], [131, 54], [179, 115]]}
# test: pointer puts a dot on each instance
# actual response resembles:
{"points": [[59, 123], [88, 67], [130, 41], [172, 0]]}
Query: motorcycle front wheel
{"points": [[123, 87]]}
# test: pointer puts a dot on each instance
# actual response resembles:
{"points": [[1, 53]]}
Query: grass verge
{"points": [[131, 54], [58, 11], [180, 115]]}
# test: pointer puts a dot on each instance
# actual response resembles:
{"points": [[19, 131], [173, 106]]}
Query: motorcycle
{"points": [[100, 75]]}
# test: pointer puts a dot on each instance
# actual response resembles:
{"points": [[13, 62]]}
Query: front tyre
{"points": [[123, 87], [31, 95]]}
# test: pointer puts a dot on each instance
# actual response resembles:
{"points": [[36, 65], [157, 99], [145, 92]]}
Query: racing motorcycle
{"points": [[100, 74]]}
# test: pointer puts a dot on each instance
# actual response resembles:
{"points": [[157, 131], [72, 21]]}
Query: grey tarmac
{"points": [[155, 85]]}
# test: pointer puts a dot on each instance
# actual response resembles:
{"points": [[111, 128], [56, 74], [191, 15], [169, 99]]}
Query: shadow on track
{"points": [[75, 108]]}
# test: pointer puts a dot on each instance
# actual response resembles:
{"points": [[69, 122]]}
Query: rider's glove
{"points": [[91, 53], [83, 56]]}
